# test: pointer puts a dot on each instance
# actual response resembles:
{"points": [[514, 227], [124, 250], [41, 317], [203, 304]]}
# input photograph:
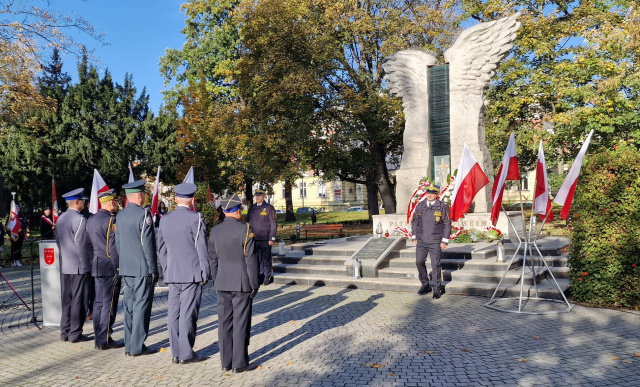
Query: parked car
{"points": [[516, 206], [279, 212], [303, 210], [355, 209]]}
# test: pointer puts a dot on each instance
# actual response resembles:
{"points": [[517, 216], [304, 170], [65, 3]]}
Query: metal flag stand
{"points": [[527, 242]]}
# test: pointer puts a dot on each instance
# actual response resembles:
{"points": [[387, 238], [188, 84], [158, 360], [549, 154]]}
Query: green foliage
{"points": [[205, 207], [604, 254]]}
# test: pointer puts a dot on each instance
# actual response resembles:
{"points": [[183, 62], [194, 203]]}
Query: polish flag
{"points": [[97, 186], [155, 198], [210, 196], [542, 203], [126, 201], [469, 180], [13, 225], [190, 179], [568, 189], [54, 207], [508, 171]]}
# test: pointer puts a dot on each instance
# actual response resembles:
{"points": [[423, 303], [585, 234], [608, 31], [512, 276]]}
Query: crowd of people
{"points": [[127, 248]]}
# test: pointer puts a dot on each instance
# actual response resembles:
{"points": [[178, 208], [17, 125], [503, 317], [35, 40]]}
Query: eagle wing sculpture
{"points": [[406, 73], [474, 57]]}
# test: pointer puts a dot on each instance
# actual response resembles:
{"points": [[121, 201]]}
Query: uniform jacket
{"points": [[234, 264], [431, 224], [100, 228], [73, 243], [136, 242], [46, 228], [263, 221], [182, 247]]}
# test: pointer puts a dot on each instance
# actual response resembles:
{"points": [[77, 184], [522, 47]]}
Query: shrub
{"points": [[604, 254]]}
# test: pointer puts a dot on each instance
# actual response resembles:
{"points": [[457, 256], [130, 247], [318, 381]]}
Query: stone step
{"points": [[452, 263], [310, 260], [492, 277], [293, 268]]}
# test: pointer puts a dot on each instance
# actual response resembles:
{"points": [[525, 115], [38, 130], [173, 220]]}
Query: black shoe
{"points": [[115, 343], [145, 351], [436, 293], [64, 338], [226, 369], [249, 367], [175, 360], [127, 354], [424, 289], [194, 359], [102, 347], [81, 338]]}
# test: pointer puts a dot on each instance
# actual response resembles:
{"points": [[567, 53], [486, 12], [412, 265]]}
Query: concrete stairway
{"points": [[469, 269]]}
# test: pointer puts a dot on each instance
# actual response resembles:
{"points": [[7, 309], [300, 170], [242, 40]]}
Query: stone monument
{"points": [[444, 106]]}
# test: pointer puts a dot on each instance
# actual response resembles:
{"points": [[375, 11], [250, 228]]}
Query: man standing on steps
{"points": [[263, 220], [431, 227]]}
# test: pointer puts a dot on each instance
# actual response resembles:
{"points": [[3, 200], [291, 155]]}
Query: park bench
{"points": [[322, 230]]}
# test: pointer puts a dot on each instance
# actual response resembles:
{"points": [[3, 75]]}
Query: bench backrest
{"points": [[311, 227]]}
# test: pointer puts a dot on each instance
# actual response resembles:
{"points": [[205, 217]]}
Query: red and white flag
{"points": [[126, 201], [97, 186], [212, 200], [542, 203], [568, 189], [54, 207], [13, 225], [508, 171], [155, 198], [190, 178], [469, 180]]}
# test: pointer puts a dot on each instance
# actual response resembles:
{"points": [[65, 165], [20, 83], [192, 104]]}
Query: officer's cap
{"points": [[74, 195], [46, 208], [185, 190], [260, 191], [136, 186], [433, 189], [106, 196], [231, 204]]}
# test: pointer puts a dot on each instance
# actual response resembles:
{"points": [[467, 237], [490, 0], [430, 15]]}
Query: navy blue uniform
{"points": [[263, 221], [182, 252], [234, 269], [431, 225], [101, 230]]}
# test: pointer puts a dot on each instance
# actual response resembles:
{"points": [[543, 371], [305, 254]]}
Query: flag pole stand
{"points": [[527, 245]]}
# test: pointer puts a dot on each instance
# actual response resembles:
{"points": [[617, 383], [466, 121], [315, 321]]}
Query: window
{"points": [[283, 191], [303, 189], [322, 189], [525, 183]]}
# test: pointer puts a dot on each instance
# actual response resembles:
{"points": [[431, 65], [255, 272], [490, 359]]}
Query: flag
{"points": [[542, 202], [565, 194], [508, 171], [190, 179], [155, 197], [54, 207], [13, 225], [98, 185], [210, 196], [126, 201], [469, 180]]}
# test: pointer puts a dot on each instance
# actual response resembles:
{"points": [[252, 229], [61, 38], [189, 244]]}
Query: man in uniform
{"points": [[46, 224], [234, 269], [431, 226], [75, 263], [182, 251], [263, 220], [101, 229], [136, 245]]}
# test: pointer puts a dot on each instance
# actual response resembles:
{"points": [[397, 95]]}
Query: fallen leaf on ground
{"points": [[159, 378], [522, 359], [554, 349], [289, 363], [636, 354], [78, 347], [77, 377], [615, 358], [260, 367], [292, 322], [627, 361], [464, 350], [392, 374], [536, 337], [430, 352], [163, 349]]}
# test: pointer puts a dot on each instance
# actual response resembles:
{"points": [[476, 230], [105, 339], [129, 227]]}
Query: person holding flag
{"points": [[18, 226]]}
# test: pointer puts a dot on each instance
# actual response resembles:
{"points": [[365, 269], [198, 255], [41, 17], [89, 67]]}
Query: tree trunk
{"points": [[386, 188], [248, 190], [372, 198], [288, 197]]}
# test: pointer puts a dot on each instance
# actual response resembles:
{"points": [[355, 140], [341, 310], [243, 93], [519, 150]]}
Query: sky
{"points": [[137, 32]]}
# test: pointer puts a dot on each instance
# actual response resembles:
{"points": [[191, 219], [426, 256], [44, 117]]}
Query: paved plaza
{"points": [[326, 336]]}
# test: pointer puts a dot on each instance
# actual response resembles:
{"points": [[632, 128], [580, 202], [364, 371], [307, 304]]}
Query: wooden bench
{"points": [[322, 230]]}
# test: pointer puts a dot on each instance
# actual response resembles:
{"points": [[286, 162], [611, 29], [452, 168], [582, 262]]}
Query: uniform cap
{"points": [[231, 204], [185, 190], [136, 186], [433, 189], [74, 195], [106, 196], [260, 191], [46, 208]]}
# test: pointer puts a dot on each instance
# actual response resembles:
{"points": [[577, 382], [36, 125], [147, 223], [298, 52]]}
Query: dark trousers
{"points": [[234, 328], [89, 295], [105, 307], [435, 253], [73, 312], [138, 297], [182, 317], [263, 251], [16, 247]]}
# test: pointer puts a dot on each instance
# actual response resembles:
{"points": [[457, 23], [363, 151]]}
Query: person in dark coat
{"points": [[75, 263], [101, 228], [263, 220], [431, 227], [16, 245], [46, 224], [234, 269], [182, 252], [136, 245]]}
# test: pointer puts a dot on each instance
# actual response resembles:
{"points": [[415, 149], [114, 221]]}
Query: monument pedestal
{"points": [[473, 221]]}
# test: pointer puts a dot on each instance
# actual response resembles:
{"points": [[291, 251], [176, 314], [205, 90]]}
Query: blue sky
{"points": [[137, 31]]}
